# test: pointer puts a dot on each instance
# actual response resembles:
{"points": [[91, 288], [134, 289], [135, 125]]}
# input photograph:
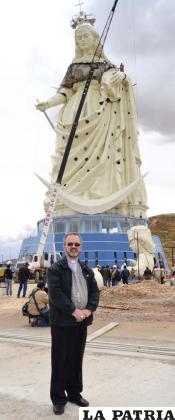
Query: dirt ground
{"points": [[147, 301], [144, 301]]}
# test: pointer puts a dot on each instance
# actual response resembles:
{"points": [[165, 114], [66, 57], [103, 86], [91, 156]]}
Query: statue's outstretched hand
{"points": [[42, 106], [55, 100], [117, 77]]}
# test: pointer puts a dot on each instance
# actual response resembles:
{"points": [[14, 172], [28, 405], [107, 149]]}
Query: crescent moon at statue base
{"points": [[94, 206]]}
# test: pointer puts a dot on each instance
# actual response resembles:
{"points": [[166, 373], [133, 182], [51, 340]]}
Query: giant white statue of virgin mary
{"points": [[103, 169]]}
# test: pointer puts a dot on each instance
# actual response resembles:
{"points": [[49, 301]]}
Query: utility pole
{"points": [[138, 259], [172, 250]]}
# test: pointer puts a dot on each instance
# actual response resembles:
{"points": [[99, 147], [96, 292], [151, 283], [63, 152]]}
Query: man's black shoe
{"points": [[58, 409], [79, 400]]}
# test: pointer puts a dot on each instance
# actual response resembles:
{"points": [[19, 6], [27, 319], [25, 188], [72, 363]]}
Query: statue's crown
{"points": [[82, 18]]}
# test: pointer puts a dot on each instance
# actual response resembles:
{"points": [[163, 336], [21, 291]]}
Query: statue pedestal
{"points": [[105, 238]]}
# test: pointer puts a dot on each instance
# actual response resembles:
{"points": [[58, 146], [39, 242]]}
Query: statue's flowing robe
{"points": [[104, 157]]}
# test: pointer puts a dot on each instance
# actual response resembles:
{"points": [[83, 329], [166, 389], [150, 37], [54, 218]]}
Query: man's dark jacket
{"points": [[8, 273], [23, 274], [125, 274], [59, 280]]}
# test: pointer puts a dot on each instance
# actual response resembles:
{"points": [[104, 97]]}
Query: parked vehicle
{"points": [[2, 269], [39, 264]]}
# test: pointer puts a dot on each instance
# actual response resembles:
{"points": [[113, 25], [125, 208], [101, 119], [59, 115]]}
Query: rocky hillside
{"points": [[163, 225]]}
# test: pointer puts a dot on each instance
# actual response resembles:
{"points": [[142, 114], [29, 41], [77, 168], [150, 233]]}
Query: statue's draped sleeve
{"points": [[79, 72], [66, 85], [109, 89]]}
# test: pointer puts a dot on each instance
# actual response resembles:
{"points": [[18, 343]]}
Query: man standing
{"points": [[147, 273], [23, 276], [73, 296], [106, 273], [8, 276], [115, 275], [125, 274], [162, 275]]}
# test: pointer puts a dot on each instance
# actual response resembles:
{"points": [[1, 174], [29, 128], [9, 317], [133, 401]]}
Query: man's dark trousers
{"points": [[22, 286], [68, 344]]}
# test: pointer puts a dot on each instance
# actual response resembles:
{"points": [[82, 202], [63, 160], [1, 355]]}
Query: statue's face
{"points": [[85, 39]]}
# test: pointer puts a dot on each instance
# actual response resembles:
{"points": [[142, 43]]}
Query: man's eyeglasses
{"points": [[73, 243]]}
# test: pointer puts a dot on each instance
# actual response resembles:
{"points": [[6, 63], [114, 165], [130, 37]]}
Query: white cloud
{"points": [[158, 159]]}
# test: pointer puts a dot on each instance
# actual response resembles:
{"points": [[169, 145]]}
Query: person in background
{"points": [[115, 275], [162, 275], [8, 277], [133, 274], [41, 297], [147, 273], [23, 276], [106, 276], [125, 274], [73, 297]]}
